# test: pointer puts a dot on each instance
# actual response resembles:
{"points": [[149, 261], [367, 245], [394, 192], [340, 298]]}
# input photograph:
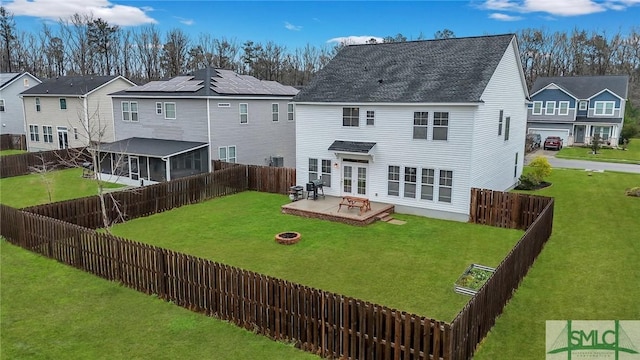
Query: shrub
{"points": [[633, 191], [527, 182], [595, 143], [540, 169]]}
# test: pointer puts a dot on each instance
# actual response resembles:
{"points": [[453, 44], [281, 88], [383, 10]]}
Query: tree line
{"points": [[85, 45]]}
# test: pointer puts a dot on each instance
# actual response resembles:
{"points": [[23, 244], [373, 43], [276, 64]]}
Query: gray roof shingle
{"points": [[584, 87], [149, 147], [6, 78], [446, 70], [69, 85], [352, 146]]}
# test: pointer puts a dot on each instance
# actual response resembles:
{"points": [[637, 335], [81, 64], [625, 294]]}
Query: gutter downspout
{"points": [[24, 123], [209, 134], [86, 119]]}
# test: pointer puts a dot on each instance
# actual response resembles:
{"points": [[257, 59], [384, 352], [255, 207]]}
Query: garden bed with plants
{"points": [[473, 279]]}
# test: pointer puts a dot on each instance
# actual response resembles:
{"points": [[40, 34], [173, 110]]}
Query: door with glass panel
{"points": [[134, 167], [63, 137], [354, 180]]}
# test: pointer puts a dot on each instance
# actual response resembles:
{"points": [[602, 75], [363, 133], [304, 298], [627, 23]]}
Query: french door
{"points": [[354, 179], [63, 137]]}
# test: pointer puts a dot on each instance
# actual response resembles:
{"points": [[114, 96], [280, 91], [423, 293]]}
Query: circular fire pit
{"points": [[288, 237]]}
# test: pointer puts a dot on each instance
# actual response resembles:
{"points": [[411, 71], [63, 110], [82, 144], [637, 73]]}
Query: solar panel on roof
{"points": [[176, 84]]}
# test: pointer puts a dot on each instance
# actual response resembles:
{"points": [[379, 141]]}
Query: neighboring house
{"points": [[243, 119], [11, 110], [415, 124], [577, 107], [70, 111]]}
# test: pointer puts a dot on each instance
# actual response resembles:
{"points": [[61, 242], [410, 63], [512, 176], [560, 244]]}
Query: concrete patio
{"points": [[328, 208]]}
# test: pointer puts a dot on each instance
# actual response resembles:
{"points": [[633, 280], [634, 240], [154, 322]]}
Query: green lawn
{"points": [[588, 270], [629, 156], [52, 311], [410, 267], [11, 152], [29, 190]]}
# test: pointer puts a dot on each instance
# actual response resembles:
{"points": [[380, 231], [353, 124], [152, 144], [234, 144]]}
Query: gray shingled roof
{"points": [[447, 70], [584, 87], [6, 78], [352, 146], [210, 82], [69, 85], [150, 147]]}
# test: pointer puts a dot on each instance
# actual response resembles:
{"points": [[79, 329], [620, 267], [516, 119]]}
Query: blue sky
{"points": [[296, 23]]}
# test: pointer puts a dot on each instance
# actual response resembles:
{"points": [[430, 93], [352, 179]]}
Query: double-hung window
{"points": [[428, 178], [583, 105], [393, 180], [550, 108], [38, 107], [169, 110], [227, 153], [326, 172], [129, 111], [420, 124], [604, 107], [33, 133], [2, 109], [63, 104], [500, 117], [440, 125], [351, 116], [313, 169], [507, 126], [275, 109], [603, 131], [445, 186], [563, 108], [410, 182], [537, 108], [371, 117], [244, 113], [47, 134], [290, 115]]}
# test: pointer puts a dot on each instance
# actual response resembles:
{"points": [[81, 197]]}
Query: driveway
{"points": [[580, 164]]}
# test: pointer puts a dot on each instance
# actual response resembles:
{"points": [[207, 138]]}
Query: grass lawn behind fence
{"points": [[52, 311], [588, 270], [410, 267], [629, 156], [29, 190], [11, 152]]}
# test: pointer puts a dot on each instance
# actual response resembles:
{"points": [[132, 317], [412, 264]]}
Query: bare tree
{"points": [[149, 49], [8, 37], [174, 52]]}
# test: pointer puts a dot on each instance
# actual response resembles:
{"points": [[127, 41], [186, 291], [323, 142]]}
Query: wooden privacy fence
{"points": [[475, 320], [327, 324], [23, 164], [13, 142], [264, 178], [144, 201]]}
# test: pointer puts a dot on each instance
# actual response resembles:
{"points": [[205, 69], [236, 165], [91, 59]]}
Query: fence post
{"points": [[161, 273]]}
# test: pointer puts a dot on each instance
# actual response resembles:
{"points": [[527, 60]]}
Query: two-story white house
{"points": [[415, 124], [70, 111], [11, 110], [577, 107], [211, 114]]}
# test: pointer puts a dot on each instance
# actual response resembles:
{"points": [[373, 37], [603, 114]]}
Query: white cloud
{"points": [[504, 17], [187, 22], [558, 7], [122, 15], [292, 27], [353, 39]]}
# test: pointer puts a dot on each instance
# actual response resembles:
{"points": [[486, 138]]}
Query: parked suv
{"points": [[552, 142], [534, 140]]}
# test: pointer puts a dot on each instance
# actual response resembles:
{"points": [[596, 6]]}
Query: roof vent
{"points": [[380, 81]]}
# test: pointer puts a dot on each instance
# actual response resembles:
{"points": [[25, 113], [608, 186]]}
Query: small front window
{"points": [[351, 116], [563, 108], [159, 108], [583, 105], [63, 104], [537, 108]]}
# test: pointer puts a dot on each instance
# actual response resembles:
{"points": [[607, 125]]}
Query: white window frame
{"points": [[583, 105], [445, 186], [34, 135], [410, 180], [440, 121], [275, 112], [325, 172], [314, 169], [166, 111], [547, 107], [427, 180], [227, 154], [424, 115], [600, 130], [159, 108], [2, 105], [562, 111], [244, 115], [539, 106], [515, 168], [352, 119], [371, 117], [66, 106], [500, 121], [38, 105], [25, 82], [393, 177], [47, 135], [291, 111], [604, 108], [129, 112], [507, 127]]}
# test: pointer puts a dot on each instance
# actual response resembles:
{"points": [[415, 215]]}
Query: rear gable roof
{"points": [[69, 85], [584, 87], [447, 70]]}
